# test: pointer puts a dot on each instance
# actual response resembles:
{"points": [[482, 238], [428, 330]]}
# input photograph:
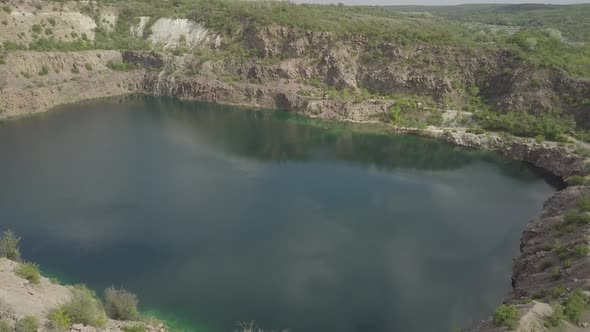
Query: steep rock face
{"points": [[544, 247], [339, 68], [394, 79], [445, 73], [32, 82], [148, 60]]}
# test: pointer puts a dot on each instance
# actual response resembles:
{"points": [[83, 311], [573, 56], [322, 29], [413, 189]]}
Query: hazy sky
{"points": [[438, 2]]}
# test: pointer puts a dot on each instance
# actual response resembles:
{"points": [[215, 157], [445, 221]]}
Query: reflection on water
{"points": [[217, 215]]}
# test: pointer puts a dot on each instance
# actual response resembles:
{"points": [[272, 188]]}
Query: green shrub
{"points": [[27, 324], [121, 304], [88, 66], [4, 327], [557, 315], [581, 250], [36, 28], [134, 328], [9, 246], [555, 273], [506, 315], [582, 151], [583, 203], [44, 71], [476, 130], [75, 70], [576, 181], [574, 306], [59, 320], [574, 217], [85, 308], [546, 264], [558, 291], [121, 65], [552, 126], [29, 271]]}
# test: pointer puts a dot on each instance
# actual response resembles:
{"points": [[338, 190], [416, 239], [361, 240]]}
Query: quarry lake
{"points": [[216, 215]]}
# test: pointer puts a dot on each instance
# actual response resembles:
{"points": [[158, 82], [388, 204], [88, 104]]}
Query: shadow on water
{"points": [[219, 214]]}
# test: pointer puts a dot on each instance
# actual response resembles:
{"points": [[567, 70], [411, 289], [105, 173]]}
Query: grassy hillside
{"points": [[571, 20], [539, 41]]}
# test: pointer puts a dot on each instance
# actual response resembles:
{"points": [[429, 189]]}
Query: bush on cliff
{"points": [[59, 320], [29, 271], [557, 315], [9, 246], [506, 315], [121, 304], [574, 306], [583, 203], [4, 327], [85, 308], [27, 324]]}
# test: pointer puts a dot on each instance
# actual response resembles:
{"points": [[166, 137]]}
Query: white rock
{"points": [[171, 33]]}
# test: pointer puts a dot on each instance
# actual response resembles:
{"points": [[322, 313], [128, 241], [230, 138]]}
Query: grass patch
{"points": [[88, 66], [506, 315], [581, 250], [9, 246], [59, 320], [582, 151], [574, 217], [27, 324], [134, 328], [121, 65], [44, 71], [29, 271], [121, 304], [583, 203], [576, 181]]}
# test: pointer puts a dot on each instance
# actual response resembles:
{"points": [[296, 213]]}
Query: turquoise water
{"points": [[215, 215]]}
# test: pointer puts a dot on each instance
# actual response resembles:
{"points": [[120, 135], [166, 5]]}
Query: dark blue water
{"points": [[215, 215]]}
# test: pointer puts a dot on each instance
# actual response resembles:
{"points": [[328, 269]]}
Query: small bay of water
{"points": [[216, 215]]}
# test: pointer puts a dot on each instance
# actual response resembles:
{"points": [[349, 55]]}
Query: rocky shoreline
{"points": [[25, 95], [20, 298]]}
